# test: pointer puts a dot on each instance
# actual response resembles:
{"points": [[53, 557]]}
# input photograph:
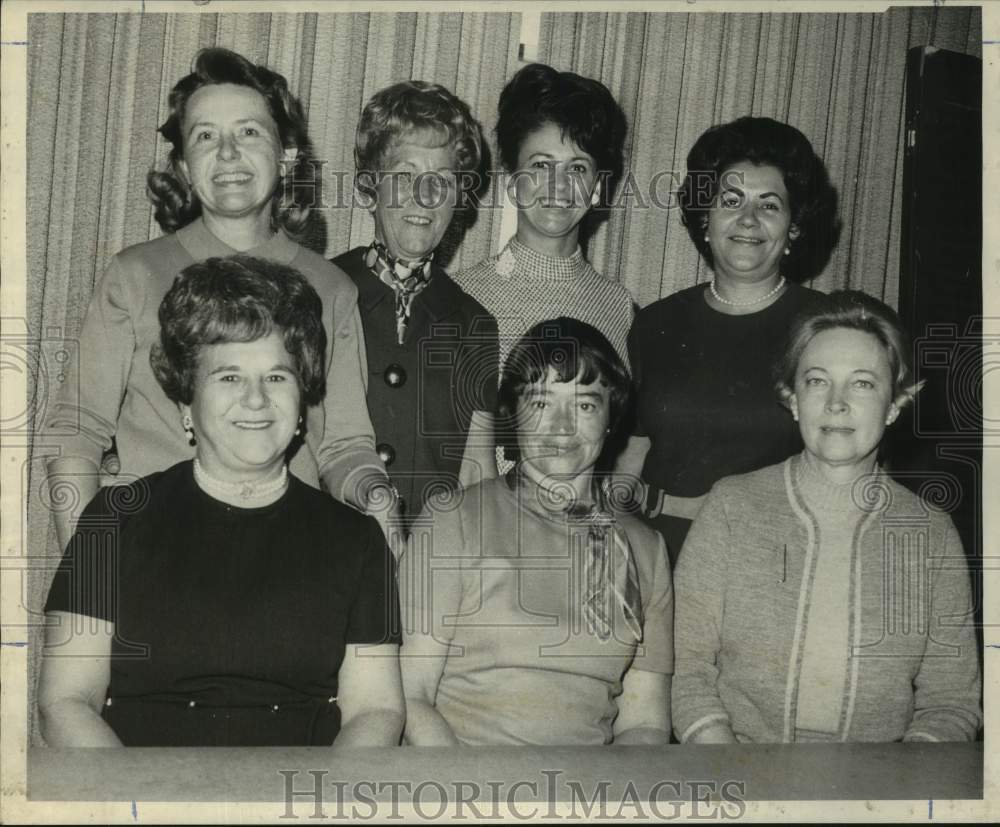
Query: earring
{"points": [[788, 250], [298, 428], [595, 198], [188, 426]]}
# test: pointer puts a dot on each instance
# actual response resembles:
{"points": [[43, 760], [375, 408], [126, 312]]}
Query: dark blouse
{"points": [[230, 623], [706, 396]]}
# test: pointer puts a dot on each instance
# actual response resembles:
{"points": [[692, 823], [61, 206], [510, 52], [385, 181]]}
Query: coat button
{"points": [[395, 376], [386, 453]]}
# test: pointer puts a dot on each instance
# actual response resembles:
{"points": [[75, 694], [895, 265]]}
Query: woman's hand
{"points": [[76, 671], [643, 709], [370, 696]]}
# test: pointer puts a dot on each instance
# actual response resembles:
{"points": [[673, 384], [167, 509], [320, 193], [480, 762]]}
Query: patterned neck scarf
{"points": [[406, 278], [610, 576]]}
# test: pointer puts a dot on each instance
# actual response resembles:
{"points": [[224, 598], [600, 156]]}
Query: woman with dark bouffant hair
{"points": [[431, 347], [561, 139], [235, 131], [759, 207], [222, 601]]}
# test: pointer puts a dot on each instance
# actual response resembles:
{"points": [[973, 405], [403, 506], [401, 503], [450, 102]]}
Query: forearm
{"points": [[372, 728], [643, 735], [74, 723], [717, 733], [73, 482], [426, 727]]}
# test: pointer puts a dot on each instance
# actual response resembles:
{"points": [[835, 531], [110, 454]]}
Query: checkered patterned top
{"points": [[521, 287]]}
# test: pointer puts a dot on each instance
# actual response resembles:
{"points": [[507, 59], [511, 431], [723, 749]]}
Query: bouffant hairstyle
{"points": [[582, 108], [175, 205], [764, 141], [415, 109], [853, 310], [573, 350], [238, 299]]}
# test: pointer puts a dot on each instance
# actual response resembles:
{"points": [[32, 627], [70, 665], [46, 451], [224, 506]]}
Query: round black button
{"points": [[395, 376], [386, 453]]}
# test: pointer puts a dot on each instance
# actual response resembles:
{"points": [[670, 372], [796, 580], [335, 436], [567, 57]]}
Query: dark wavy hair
{"points": [[238, 299], [853, 310], [574, 350], [174, 203], [765, 141], [408, 108], [582, 108]]}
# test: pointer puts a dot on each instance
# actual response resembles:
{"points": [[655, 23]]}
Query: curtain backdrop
{"points": [[836, 77], [98, 84]]}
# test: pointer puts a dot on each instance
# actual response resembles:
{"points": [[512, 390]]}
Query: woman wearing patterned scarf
{"points": [[533, 614], [432, 349]]}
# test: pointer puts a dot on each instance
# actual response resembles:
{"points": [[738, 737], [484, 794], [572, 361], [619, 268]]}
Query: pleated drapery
{"points": [[838, 78]]}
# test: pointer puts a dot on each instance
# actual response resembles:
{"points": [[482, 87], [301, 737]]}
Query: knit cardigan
{"points": [[743, 588]]}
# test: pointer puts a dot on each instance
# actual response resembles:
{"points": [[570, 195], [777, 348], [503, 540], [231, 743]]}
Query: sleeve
{"points": [[431, 581], [84, 418], [345, 447], [657, 650], [947, 689], [699, 587], [86, 581], [374, 614], [634, 346]]}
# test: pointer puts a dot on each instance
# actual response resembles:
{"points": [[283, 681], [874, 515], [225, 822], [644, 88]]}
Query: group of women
{"points": [[473, 438]]}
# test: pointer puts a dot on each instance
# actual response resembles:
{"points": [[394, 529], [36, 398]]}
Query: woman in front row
{"points": [[817, 599], [223, 601], [531, 614]]}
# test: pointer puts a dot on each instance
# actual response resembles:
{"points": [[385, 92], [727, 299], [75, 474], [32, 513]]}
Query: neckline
{"points": [[201, 244], [228, 509], [517, 256], [701, 293]]}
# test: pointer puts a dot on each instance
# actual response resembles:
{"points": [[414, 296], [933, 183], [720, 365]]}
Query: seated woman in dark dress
{"points": [[222, 601], [431, 347], [758, 205]]}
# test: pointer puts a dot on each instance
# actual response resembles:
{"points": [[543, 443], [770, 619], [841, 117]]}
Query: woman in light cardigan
{"points": [[817, 599]]}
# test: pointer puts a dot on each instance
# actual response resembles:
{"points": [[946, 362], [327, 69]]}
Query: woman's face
{"points": [[231, 150], [245, 408], [561, 426], [843, 400], [555, 184], [415, 197], [750, 223]]}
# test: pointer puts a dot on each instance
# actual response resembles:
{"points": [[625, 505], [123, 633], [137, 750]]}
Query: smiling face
{"points": [[245, 408], [750, 223], [415, 196], [231, 150], [843, 401], [554, 186], [561, 428]]}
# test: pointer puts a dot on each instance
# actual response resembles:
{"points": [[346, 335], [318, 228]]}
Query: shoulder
{"points": [[467, 305], [325, 276], [147, 253], [319, 508], [803, 298], [475, 276], [753, 491], [351, 262], [644, 539], [882, 494], [152, 494], [676, 304]]}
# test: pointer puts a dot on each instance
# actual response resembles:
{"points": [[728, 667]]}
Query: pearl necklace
{"points": [[247, 492], [764, 298]]}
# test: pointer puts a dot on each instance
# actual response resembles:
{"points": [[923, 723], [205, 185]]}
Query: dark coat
{"points": [[421, 394]]}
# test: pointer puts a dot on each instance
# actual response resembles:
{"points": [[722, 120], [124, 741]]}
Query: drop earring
{"points": [[188, 426], [788, 250], [298, 428]]}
